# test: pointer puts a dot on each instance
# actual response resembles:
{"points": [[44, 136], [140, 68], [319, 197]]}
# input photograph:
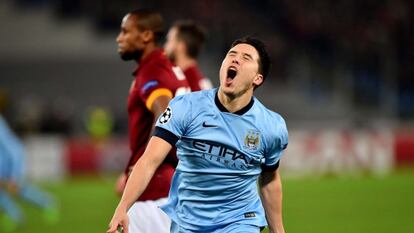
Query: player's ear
{"points": [[181, 46], [147, 36], [258, 80]]}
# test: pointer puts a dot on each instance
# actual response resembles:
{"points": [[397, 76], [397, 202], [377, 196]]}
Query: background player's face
{"points": [[239, 70], [172, 44], [130, 39]]}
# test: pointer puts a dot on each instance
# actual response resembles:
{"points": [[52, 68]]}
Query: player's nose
{"points": [[118, 39], [235, 60]]}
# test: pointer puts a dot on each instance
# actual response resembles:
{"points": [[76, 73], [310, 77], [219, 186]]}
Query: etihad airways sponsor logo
{"points": [[222, 153]]}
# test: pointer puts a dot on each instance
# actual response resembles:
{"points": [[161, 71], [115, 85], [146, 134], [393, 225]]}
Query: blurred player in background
{"points": [[10, 214], [226, 140], [13, 182], [155, 84], [184, 42]]}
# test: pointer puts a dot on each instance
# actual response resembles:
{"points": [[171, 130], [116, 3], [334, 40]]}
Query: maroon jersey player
{"points": [[155, 83], [183, 45]]}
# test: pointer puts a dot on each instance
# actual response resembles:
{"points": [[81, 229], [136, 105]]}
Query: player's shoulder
{"points": [[156, 67], [269, 116], [198, 96], [266, 111], [194, 100], [160, 59], [158, 64]]}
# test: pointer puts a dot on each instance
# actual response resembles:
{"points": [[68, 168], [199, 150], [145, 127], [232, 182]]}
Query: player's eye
{"points": [[247, 57], [231, 54]]}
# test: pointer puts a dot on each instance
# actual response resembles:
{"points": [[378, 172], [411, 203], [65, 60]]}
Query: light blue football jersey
{"points": [[11, 153], [221, 155]]}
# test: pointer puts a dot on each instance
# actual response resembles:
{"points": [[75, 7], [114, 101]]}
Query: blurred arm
{"points": [[271, 194]]}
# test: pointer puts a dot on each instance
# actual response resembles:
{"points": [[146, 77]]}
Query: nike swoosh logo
{"points": [[209, 126]]}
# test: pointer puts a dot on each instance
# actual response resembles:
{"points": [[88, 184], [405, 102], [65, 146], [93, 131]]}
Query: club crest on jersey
{"points": [[252, 140], [166, 116]]}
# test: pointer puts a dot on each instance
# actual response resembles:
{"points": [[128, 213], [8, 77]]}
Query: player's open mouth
{"points": [[231, 72]]}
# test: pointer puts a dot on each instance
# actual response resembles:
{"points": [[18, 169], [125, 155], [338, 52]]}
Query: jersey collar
{"points": [[239, 112], [158, 52]]}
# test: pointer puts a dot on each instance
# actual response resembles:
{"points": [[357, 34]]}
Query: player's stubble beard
{"points": [[134, 55]]}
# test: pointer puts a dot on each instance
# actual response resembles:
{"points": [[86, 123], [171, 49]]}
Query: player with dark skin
{"points": [[134, 44], [155, 84]]}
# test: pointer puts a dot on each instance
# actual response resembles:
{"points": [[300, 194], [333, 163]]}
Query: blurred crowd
{"points": [[363, 49], [372, 40]]}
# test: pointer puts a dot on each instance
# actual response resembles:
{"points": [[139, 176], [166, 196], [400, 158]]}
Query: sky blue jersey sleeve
{"points": [[12, 153], [277, 145], [173, 123]]}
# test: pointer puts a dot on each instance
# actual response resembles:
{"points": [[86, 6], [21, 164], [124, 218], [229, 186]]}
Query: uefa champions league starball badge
{"points": [[166, 116]]}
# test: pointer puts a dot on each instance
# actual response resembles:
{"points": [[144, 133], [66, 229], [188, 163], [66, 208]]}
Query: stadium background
{"points": [[342, 77]]}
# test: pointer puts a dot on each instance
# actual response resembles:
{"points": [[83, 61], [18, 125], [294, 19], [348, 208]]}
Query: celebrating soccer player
{"points": [[226, 140]]}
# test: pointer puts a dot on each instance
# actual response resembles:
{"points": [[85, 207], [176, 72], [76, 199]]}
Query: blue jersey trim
{"points": [[239, 112], [166, 135]]}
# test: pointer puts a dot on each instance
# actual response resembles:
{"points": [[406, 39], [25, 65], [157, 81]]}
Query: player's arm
{"points": [[271, 194], [141, 175], [11, 160], [157, 102]]}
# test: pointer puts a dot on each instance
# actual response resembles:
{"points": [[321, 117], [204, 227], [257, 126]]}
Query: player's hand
{"points": [[120, 184], [119, 222], [13, 187]]}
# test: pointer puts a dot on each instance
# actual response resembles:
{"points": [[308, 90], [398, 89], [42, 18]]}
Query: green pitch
{"points": [[349, 204]]}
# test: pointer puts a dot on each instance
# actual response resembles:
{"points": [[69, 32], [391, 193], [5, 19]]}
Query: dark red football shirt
{"points": [[154, 77], [196, 79]]}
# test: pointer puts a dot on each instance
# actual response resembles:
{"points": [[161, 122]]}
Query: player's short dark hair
{"points": [[192, 34], [264, 59], [150, 19]]}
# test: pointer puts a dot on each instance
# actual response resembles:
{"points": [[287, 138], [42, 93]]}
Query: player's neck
{"points": [[147, 50], [185, 62], [234, 103]]}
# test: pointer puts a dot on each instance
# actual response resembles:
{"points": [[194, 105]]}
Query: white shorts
{"points": [[147, 217]]}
